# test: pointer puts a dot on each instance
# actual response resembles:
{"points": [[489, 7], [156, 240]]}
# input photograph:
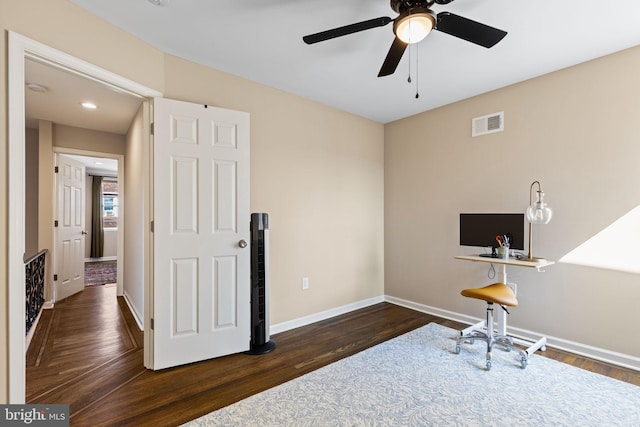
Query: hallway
{"points": [[82, 350]]}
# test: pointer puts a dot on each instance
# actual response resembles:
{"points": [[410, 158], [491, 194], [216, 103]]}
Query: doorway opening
{"points": [[104, 220], [21, 49]]}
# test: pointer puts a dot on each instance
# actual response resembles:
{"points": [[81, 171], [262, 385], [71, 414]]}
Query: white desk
{"points": [[502, 318], [538, 264]]}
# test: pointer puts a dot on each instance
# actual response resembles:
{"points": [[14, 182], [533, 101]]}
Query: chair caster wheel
{"points": [[457, 350], [523, 362], [488, 365]]}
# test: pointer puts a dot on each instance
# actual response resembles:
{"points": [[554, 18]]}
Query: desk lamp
{"points": [[537, 213]]}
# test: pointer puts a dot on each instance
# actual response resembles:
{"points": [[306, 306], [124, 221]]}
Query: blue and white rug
{"points": [[417, 380]]}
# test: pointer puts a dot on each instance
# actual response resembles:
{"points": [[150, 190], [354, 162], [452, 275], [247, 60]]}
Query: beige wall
{"points": [[31, 192], [134, 256], [46, 191], [89, 140], [318, 172], [578, 132]]}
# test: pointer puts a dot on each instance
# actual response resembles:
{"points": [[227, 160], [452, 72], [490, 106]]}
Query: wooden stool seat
{"points": [[498, 293]]}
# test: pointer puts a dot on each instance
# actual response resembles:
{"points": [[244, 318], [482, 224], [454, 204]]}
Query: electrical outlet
{"points": [[305, 283]]}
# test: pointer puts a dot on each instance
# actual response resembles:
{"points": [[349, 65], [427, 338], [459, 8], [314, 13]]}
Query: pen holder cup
{"points": [[504, 252]]}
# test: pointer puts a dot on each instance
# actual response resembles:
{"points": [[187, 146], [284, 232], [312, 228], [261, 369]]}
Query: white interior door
{"points": [[201, 291], [70, 230]]}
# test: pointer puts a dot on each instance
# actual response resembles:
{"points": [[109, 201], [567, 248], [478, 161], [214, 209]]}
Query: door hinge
{"points": [[152, 226], [152, 128], [55, 169], [55, 223], [152, 324], [55, 277]]}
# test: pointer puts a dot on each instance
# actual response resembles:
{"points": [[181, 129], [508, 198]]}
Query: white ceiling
{"points": [[98, 165], [261, 40], [60, 103]]}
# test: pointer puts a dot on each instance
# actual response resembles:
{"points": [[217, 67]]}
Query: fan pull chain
{"points": [[409, 79], [417, 72]]}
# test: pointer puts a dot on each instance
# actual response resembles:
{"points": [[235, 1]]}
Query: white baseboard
{"points": [[105, 258], [445, 314], [313, 318], [32, 331], [608, 356], [615, 358], [133, 312]]}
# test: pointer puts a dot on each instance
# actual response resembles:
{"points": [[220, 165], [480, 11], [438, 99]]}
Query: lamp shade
{"points": [[414, 27], [539, 212]]}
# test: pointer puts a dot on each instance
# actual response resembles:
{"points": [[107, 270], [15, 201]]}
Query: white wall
{"points": [[110, 243], [110, 248]]}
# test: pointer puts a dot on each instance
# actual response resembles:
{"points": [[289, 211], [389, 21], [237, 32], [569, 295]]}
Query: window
{"points": [[110, 203]]}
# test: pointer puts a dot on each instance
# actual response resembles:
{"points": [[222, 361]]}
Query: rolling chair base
{"points": [[491, 340]]}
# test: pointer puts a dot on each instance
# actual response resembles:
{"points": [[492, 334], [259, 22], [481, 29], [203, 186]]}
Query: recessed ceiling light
{"points": [[89, 105], [37, 87]]}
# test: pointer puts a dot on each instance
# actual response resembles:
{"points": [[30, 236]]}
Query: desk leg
{"points": [[477, 327], [502, 316], [501, 336], [541, 344]]}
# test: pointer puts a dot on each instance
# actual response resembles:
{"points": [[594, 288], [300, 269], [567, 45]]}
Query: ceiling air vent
{"points": [[490, 123]]}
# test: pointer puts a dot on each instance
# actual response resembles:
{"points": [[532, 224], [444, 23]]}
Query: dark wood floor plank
{"points": [[97, 366]]}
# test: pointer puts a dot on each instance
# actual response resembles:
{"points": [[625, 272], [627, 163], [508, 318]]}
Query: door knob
{"points": [[242, 243], [84, 232]]}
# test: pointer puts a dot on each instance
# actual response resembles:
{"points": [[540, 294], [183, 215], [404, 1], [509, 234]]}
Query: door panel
{"points": [[185, 293], [201, 294], [70, 237]]}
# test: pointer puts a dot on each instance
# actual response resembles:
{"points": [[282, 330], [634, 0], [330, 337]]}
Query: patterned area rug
{"points": [[100, 273], [417, 380]]}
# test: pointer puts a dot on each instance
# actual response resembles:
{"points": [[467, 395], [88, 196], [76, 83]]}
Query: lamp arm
{"points": [[531, 191], [530, 254]]}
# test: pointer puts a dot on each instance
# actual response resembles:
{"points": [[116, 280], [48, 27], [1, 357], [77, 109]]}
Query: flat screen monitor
{"points": [[481, 229]]}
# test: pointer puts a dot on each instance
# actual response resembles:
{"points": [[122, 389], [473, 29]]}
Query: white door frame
{"points": [[121, 193], [19, 49]]}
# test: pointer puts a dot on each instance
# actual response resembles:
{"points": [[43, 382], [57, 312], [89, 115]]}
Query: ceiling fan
{"points": [[414, 22]]}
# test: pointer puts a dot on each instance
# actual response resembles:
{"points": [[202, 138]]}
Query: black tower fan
{"points": [[260, 342]]}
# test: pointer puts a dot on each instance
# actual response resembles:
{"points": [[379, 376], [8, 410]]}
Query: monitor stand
{"points": [[493, 253]]}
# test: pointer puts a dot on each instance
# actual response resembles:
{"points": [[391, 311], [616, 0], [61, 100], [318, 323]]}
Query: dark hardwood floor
{"points": [[87, 352]]}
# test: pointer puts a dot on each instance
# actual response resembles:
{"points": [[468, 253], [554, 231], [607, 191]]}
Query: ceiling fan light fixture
{"points": [[414, 27], [88, 105]]}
